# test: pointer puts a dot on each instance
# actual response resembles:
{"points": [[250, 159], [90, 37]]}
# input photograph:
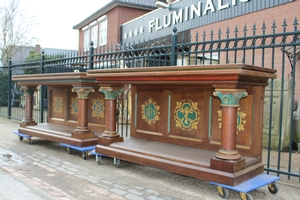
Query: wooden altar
{"points": [[76, 113], [200, 121]]}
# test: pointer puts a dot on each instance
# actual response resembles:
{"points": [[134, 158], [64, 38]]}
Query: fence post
{"points": [[174, 48], [9, 95], [42, 89], [91, 57]]}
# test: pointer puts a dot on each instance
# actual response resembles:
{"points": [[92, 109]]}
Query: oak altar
{"points": [[76, 110], [200, 121]]}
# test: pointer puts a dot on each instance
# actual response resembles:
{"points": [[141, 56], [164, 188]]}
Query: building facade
{"points": [[103, 26]]}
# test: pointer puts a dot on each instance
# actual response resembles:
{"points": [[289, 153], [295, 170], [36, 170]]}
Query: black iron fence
{"points": [[265, 47]]}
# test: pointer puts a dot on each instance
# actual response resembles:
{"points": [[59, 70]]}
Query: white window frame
{"points": [[103, 32], [94, 35], [86, 38]]}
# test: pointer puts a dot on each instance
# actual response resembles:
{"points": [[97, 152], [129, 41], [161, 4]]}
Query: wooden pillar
{"points": [[82, 131], [110, 134], [230, 102], [28, 96]]}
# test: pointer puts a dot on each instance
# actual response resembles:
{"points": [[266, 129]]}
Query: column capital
{"points": [[230, 97], [110, 93], [28, 91], [83, 92]]}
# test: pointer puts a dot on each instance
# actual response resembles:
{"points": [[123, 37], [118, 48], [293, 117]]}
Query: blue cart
{"points": [[84, 150], [248, 186], [21, 136]]}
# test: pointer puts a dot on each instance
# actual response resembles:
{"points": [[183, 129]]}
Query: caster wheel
{"points": [[29, 140], [69, 150], [273, 188], [223, 192], [245, 196], [84, 155], [117, 162], [20, 138], [98, 159]]}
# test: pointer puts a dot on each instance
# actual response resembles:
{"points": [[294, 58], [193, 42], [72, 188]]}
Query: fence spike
{"points": [[274, 26], [295, 24], [284, 25], [245, 30], [219, 33], [236, 30], [211, 34], [197, 36], [227, 32]]}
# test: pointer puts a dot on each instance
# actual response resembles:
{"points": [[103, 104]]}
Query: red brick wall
{"points": [[286, 11], [115, 18]]}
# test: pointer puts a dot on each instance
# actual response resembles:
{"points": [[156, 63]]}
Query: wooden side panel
{"points": [[96, 111], [187, 116], [58, 104], [150, 114], [72, 107]]}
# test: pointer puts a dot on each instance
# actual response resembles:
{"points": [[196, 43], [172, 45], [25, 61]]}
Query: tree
{"points": [[3, 88], [15, 28]]}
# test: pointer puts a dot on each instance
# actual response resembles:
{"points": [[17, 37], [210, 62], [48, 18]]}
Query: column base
{"points": [[106, 141], [23, 124], [227, 165], [110, 134], [82, 135], [228, 155]]}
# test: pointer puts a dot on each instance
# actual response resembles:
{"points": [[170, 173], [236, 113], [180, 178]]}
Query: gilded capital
{"points": [[28, 91], [230, 97], [83, 92], [110, 93]]}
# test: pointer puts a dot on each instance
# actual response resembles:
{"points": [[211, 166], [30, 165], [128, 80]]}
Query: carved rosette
{"points": [[187, 115], [98, 107], [150, 111], [110, 93], [83, 92], [230, 98]]}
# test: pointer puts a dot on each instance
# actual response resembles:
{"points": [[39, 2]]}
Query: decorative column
{"points": [[28, 96], [110, 135], [82, 131], [230, 102]]}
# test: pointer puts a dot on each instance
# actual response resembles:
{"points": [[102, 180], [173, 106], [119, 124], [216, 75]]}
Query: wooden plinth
{"points": [[106, 141], [60, 134], [185, 160], [31, 123], [82, 135]]}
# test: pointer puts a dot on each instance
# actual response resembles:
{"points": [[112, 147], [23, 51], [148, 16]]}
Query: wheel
{"points": [[98, 159], [273, 188], [20, 137], [29, 140], [245, 196], [223, 192], [69, 150], [117, 162], [84, 155]]}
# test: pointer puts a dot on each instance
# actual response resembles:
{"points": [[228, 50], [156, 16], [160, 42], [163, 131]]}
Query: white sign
{"points": [[191, 12]]}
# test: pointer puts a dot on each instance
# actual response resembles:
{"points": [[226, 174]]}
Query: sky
{"points": [[55, 20]]}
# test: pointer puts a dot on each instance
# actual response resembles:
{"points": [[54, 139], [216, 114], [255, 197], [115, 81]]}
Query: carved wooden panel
{"points": [[72, 105], [186, 115], [150, 116], [58, 103], [96, 109]]}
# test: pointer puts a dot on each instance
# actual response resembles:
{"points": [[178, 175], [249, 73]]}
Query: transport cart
{"points": [[249, 185], [84, 150]]}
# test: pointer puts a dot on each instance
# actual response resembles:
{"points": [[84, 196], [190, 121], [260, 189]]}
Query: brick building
{"points": [[103, 26]]}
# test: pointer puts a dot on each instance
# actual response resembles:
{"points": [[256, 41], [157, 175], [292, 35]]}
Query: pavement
{"points": [[44, 170]]}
